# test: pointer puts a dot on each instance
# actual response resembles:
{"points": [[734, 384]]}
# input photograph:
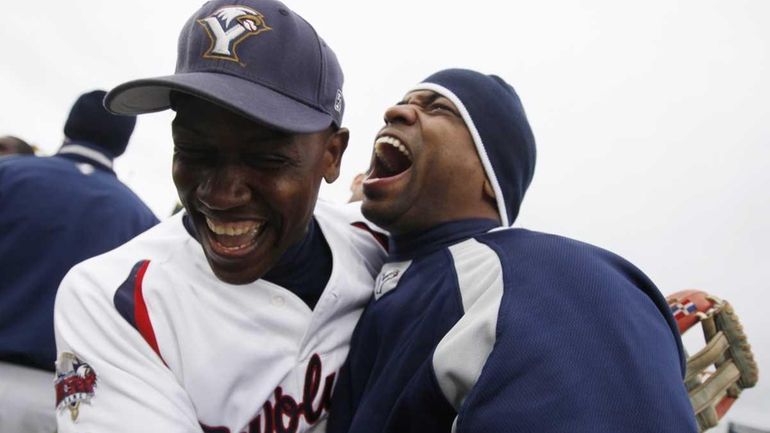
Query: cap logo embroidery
{"points": [[228, 27], [338, 101]]}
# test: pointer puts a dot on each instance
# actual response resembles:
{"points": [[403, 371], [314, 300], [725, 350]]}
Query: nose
{"points": [[225, 187], [403, 113]]}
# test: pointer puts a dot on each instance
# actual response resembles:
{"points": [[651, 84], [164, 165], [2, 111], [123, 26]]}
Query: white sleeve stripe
{"points": [[461, 354]]}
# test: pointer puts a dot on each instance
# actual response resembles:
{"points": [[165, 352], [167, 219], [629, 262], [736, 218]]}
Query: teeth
{"points": [[239, 247], [393, 141], [234, 229]]}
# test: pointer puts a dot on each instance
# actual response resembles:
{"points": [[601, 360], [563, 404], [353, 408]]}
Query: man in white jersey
{"points": [[234, 315]]}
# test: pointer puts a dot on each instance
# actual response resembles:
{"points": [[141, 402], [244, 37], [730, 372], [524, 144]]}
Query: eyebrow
{"points": [[185, 129], [423, 99], [190, 129]]}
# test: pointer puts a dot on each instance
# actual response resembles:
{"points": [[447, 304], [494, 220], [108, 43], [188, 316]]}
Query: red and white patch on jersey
{"points": [[75, 383]]}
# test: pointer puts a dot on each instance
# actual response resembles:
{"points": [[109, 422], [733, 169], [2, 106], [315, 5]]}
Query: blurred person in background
{"points": [[56, 212], [357, 188], [10, 145]]}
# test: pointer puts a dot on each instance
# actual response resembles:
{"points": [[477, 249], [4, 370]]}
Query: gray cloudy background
{"points": [[651, 117]]}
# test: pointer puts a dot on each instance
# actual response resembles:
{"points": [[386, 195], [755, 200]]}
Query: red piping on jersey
{"points": [[141, 315], [379, 237]]}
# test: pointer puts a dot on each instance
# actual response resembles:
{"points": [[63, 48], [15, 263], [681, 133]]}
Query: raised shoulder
{"points": [[561, 272], [524, 250], [546, 245]]}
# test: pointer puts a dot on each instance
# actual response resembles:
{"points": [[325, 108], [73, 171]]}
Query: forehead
{"points": [[191, 107], [198, 116]]}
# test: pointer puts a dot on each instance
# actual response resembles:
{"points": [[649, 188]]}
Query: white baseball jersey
{"points": [[149, 339]]}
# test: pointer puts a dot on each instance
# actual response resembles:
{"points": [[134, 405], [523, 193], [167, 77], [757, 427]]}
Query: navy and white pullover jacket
{"points": [[511, 330]]}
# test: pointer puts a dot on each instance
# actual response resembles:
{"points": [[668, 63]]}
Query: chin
{"points": [[236, 276], [235, 279], [384, 214], [236, 271], [377, 212]]}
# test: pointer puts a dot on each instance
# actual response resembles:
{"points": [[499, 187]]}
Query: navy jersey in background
{"points": [[54, 213]]}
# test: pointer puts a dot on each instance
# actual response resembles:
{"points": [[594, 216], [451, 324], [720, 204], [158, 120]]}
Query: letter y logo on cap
{"points": [[225, 34]]}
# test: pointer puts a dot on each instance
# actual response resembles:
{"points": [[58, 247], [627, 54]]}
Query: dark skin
{"points": [[445, 182], [249, 189]]}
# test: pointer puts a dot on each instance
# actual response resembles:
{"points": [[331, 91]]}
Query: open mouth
{"points": [[391, 157], [234, 238]]}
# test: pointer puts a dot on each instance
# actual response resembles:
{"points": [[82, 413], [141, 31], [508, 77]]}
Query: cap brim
{"points": [[246, 98]]}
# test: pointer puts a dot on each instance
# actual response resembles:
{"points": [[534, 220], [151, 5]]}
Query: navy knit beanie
{"points": [[496, 120], [91, 124]]}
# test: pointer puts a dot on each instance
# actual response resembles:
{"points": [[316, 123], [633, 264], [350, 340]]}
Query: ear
{"points": [[336, 144]]}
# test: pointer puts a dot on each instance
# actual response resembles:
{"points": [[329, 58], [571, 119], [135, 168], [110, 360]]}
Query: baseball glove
{"points": [[718, 373]]}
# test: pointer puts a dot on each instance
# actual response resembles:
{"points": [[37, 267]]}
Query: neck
{"points": [[408, 224], [407, 245]]}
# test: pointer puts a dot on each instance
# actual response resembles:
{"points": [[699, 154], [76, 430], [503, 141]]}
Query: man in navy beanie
{"points": [[56, 212], [479, 327]]}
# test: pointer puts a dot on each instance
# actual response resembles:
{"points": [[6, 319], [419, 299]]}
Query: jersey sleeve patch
{"points": [[379, 237], [129, 301], [75, 383]]}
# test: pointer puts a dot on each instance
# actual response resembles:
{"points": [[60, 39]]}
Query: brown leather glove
{"points": [[718, 373]]}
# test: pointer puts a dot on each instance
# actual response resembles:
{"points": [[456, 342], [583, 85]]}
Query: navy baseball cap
{"points": [[254, 57]]}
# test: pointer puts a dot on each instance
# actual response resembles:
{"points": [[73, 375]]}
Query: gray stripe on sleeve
{"points": [[462, 353]]}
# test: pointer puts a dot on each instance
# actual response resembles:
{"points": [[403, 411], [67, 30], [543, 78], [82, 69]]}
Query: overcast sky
{"points": [[652, 118]]}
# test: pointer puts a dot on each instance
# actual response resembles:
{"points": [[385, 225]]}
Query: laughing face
{"points": [[425, 170], [249, 190]]}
